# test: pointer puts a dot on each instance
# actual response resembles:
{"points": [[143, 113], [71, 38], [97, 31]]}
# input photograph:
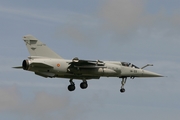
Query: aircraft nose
{"points": [[150, 74]]}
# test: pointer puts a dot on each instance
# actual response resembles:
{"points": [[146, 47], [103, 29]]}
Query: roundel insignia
{"points": [[58, 65]]}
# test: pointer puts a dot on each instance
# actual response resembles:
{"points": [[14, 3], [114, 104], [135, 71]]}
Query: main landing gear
{"points": [[84, 84], [123, 82], [72, 87]]}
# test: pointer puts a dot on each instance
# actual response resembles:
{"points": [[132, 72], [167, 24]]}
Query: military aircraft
{"points": [[46, 63]]}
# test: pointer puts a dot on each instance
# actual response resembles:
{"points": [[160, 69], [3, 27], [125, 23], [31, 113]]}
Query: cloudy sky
{"points": [[136, 31]]}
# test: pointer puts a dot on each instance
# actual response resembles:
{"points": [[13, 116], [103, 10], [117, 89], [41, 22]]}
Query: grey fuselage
{"points": [[61, 68], [46, 63]]}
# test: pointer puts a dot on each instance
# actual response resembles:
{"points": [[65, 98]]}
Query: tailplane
{"points": [[37, 48]]}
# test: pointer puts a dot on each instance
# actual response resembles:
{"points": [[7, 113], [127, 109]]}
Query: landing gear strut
{"points": [[71, 87], [122, 84]]}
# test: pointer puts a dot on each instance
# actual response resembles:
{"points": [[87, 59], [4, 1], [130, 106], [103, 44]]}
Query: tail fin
{"points": [[37, 48]]}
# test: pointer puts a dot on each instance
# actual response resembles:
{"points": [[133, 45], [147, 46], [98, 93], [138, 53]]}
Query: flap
{"points": [[45, 74]]}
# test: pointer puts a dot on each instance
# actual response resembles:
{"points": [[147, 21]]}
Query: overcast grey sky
{"points": [[141, 32]]}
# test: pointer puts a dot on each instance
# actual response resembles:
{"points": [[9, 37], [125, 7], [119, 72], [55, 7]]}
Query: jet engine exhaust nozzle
{"points": [[25, 64]]}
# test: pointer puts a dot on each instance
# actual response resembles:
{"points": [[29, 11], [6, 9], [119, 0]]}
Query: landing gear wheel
{"points": [[122, 90], [83, 85], [71, 87]]}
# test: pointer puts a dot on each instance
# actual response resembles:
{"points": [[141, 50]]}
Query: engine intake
{"points": [[25, 64]]}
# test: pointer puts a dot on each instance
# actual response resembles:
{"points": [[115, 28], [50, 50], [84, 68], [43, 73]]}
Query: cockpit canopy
{"points": [[129, 65]]}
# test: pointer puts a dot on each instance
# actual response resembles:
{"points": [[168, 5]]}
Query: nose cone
{"points": [[150, 74]]}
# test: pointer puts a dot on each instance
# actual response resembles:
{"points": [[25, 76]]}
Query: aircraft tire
{"points": [[71, 87], [122, 90], [83, 85]]}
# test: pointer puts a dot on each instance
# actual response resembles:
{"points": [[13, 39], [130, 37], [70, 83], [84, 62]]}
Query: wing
{"points": [[76, 63], [45, 74], [40, 65], [35, 65]]}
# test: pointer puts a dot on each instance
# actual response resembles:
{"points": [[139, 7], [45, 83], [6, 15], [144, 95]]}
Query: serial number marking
{"points": [[134, 71]]}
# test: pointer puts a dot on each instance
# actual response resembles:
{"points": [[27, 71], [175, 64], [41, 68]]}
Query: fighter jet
{"points": [[46, 63]]}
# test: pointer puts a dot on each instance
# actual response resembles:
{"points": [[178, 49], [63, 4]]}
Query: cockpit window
{"points": [[134, 66], [129, 65], [125, 64]]}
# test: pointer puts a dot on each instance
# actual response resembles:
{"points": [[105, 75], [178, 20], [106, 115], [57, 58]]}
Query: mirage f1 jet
{"points": [[46, 63]]}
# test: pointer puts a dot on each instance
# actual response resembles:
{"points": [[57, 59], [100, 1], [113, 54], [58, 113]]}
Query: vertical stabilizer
{"points": [[37, 48]]}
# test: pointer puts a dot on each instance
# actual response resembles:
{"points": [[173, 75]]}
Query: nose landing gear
{"points": [[123, 82]]}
